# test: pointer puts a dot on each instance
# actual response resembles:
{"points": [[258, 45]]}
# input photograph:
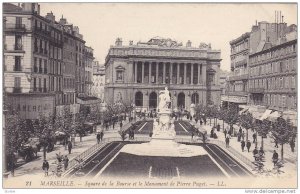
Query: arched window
{"points": [[139, 99], [153, 100], [181, 100]]}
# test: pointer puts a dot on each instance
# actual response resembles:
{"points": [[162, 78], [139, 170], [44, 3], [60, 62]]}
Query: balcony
{"points": [[17, 90], [238, 77], [237, 93], [257, 90], [17, 48], [17, 67], [14, 27]]}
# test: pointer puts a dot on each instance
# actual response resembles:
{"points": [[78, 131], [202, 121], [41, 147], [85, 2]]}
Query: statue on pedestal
{"points": [[164, 100]]}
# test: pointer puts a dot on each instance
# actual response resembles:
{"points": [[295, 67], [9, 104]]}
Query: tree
{"points": [[44, 130], [231, 117], [282, 132], [259, 164], [200, 111], [247, 122], [222, 115], [263, 129]]}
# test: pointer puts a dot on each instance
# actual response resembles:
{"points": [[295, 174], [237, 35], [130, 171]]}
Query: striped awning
{"points": [[265, 115], [273, 116]]}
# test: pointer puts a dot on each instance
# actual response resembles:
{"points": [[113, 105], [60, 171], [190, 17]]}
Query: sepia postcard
{"points": [[150, 95]]}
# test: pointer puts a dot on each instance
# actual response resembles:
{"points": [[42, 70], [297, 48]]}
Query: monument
{"points": [[163, 139]]}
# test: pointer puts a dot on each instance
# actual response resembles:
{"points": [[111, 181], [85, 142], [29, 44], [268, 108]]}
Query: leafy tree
{"points": [[222, 115], [44, 130], [263, 129], [231, 117], [247, 122], [282, 132]]}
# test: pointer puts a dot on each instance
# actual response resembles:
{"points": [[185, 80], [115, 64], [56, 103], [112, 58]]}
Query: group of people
{"points": [[99, 136], [61, 160]]}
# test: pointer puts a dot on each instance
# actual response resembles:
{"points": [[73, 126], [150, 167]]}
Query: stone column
{"points": [[156, 81], [135, 72], [184, 75], [192, 73], [150, 68], [204, 74], [164, 73], [171, 73], [199, 65], [143, 71], [177, 78]]}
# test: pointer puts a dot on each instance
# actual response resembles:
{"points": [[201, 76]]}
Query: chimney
{"points": [[118, 42], [189, 44], [63, 21], [50, 17]]}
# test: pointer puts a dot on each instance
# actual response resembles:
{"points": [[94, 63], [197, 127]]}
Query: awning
{"points": [[243, 111], [265, 115], [273, 116], [291, 115], [257, 115]]}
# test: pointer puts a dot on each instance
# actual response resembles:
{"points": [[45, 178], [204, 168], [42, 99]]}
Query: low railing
{"points": [[236, 154]]}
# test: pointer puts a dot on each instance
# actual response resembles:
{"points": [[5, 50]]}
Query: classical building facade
{"points": [[136, 73]]}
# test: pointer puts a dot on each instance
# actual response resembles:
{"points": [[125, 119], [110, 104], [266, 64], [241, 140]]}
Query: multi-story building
{"points": [[88, 61], [27, 74], [136, 73], [41, 59], [273, 74], [237, 82], [98, 81], [223, 76]]}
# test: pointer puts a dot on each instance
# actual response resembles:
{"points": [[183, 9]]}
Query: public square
{"points": [[101, 92]]}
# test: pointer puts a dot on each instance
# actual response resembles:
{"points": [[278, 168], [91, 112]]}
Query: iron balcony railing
{"points": [[14, 26]]}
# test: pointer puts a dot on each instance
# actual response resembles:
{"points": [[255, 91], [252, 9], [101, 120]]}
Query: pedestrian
{"points": [[101, 135], [218, 127], [240, 130], [45, 167], [98, 138], [121, 124], [201, 122], [243, 145], [276, 143], [227, 142], [225, 132], [261, 151], [292, 144], [69, 147], [196, 120], [239, 135], [254, 137], [192, 136], [212, 133], [243, 135], [66, 162], [106, 126], [248, 145], [275, 157], [113, 124], [255, 154]]}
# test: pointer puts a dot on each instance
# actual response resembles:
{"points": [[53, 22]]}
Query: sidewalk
{"points": [[290, 158], [34, 168]]}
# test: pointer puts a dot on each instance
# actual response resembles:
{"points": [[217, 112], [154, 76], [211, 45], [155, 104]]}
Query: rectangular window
{"points": [[40, 84], [34, 84], [45, 85], [45, 66], [40, 66], [17, 63], [17, 82]]}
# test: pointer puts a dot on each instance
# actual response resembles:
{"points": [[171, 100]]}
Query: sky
{"points": [[218, 24]]}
